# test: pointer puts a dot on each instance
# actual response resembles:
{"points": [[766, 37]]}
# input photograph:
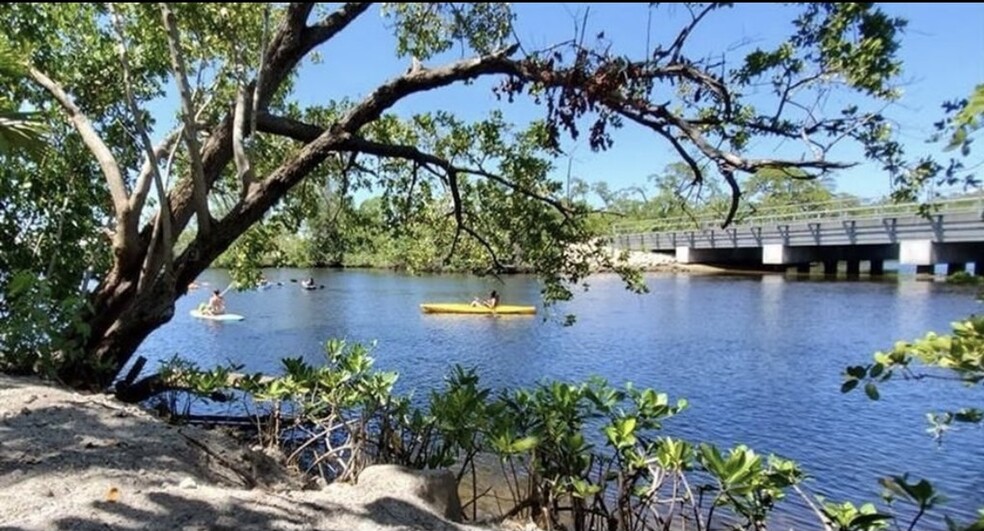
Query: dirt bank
{"points": [[74, 461]]}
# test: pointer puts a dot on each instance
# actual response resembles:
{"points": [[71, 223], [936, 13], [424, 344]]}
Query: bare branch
{"points": [[387, 94], [162, 228], [459, 218], [243, 168], [288, 127], [147, 171], [259, 72], [200, 190], [694, 167], [170, 162], [790, 87], [701, 77], [729, 176], [676, 48], [107, 162], [823, 519]]}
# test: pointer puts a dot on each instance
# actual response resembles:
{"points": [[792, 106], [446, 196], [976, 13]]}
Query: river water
{"points": [[759, 358]]}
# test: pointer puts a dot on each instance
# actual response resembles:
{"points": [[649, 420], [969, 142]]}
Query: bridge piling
{"points": [[853, 268]]}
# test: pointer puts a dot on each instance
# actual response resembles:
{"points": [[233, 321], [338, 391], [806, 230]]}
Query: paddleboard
{"points": [[220, 317]]}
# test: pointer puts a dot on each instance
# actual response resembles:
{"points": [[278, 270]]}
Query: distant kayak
{"points": [[469, 309], [220, 317]]}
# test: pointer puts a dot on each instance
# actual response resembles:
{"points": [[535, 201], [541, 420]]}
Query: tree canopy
{"points": [[149, 218]]}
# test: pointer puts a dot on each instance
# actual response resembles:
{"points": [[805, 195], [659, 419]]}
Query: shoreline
{"points": [[70, 460]]}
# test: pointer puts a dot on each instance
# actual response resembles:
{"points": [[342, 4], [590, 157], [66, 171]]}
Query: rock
{"points": [[265, 469], [436, 488], [188, 483]]}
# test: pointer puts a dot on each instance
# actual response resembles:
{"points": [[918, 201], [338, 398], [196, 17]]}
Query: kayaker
{"points": [[491, 302]]}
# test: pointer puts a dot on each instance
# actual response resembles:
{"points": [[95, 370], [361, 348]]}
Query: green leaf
{"points": [[871, 390], [523, 445]]}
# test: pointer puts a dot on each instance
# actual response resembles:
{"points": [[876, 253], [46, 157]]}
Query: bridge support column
{"points": [[778, 254], [683, 255], [877, 268], [917, 253], [854, 268], [803, 269], [830, 268], [920, 253], [955, 267]]}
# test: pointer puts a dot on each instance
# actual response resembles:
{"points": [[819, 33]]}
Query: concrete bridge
{"points": [[949, 232]]}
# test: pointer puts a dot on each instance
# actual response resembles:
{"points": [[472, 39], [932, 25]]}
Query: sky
{"points": [[942, 52]]}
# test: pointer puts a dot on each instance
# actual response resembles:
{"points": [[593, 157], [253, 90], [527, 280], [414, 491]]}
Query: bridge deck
{"points": [[952, 231]]}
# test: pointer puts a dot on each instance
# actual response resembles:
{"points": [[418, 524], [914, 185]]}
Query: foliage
{"points": [[587, 456], [33, 319], [249, 164], [771, 187], [962, 118], [963, 278], [21, 131], [958, 357]]}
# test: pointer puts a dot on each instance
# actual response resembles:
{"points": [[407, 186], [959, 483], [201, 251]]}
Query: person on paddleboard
{"points": [[215, 306]]}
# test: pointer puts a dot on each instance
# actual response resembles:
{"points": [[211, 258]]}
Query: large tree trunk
{"points": [[119, 320], [121, 317]]}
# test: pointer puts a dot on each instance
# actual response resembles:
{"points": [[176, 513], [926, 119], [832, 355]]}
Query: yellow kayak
{"points": [[468, 308]]}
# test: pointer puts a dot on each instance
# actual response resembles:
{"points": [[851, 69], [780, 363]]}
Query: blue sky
{"points": [[942, 52]]}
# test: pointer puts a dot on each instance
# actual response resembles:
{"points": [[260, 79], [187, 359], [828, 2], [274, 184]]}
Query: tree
{"points": [[771, 188], [242, 145]]}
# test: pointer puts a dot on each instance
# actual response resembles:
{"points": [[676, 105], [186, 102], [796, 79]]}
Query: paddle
{"points": [[294, 280]]}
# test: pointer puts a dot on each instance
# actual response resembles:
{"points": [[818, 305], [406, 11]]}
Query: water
{"points": [[758, 357]]}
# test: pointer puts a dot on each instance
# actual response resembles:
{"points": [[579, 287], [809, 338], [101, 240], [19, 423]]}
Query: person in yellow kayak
{"points": [[491, 302]]}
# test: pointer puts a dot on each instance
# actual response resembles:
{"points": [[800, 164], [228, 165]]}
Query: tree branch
{"points": [[701, 77], [729, 176], [387, 94], [162, 229], [304, 132], [243, 168], [676, 48], [200, 190], [107, 162], [147, 172], [294, 39], [287, 47], [259, 71]]}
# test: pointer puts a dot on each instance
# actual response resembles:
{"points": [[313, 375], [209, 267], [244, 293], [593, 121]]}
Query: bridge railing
{"points": [[831, 210]]}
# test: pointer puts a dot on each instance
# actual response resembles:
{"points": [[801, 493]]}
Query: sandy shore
{"points": [[81, 462]]}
